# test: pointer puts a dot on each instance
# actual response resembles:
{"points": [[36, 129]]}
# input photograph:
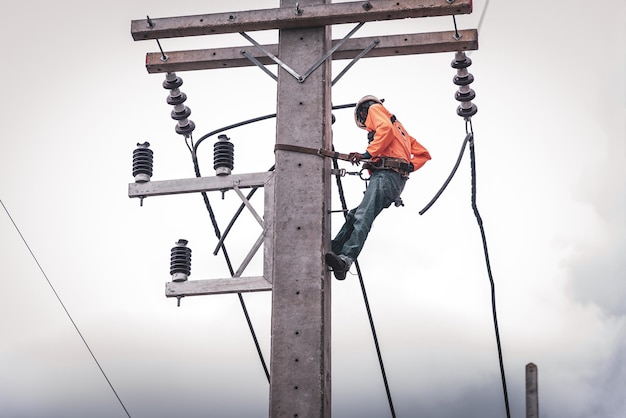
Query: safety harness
{"points": [[399, 165]]}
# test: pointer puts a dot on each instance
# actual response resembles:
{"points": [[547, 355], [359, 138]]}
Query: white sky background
{"points": [[550, 146]]}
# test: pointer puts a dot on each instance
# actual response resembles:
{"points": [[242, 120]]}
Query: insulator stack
{"points": [[463, 79], [142, 163], [177, 98], [180, 261], [223, 156]]}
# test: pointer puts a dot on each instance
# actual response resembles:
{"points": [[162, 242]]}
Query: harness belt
{"points": [[399, 165], [321, 152]]}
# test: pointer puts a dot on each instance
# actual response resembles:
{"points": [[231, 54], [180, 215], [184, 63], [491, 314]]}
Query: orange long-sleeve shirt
{"points": [[391, 139]]}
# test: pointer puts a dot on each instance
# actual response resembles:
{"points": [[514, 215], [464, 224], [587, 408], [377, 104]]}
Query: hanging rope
{"points": [[80, 334], [365, 299]]}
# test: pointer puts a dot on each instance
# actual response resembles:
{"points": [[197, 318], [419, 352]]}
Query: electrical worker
{"points": [[392, 154]]}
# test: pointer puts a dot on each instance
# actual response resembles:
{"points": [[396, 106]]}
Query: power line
{"points": [[381, 364], [64, 308]]}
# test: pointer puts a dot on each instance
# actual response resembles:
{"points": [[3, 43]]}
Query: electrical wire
{"points": [[218, 234], [193, 148], [65, 309], [469, 139], [365, 300], [488, 264]]}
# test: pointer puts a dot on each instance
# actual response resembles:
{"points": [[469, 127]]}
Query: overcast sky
{"points": [[550, 154]]}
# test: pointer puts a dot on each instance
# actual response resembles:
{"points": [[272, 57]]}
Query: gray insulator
{"points": [[180, 261], [176, 98], [463, 63], [172, 81], [142, 163], [466, 110], [463, 79], [465, 96], [223, 156], [184, 113], [185, 128]]}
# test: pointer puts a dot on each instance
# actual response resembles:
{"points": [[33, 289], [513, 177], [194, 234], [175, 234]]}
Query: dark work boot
{"points": [[339, 263]]}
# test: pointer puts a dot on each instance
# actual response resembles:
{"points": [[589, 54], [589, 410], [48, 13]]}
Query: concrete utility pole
{"points": [[300, 353], [296, 219], [532, 391]]}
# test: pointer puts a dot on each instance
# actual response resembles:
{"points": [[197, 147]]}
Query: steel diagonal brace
{"points": [[354, 60], [300, 78], [259, 240], [251, 254], [259, 64], [329, 53], [250, 207], [272, 57]]}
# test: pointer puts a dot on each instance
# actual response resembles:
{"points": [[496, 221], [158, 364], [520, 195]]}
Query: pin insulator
{"points": [[180, 261], [142, 163], [223, 156]]}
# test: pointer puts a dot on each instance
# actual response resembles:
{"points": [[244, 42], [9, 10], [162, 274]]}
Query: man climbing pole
{"points": [[392, 154]]}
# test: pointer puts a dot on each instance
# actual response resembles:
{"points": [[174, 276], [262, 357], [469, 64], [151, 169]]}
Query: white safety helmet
{"points": [[362, 106]]}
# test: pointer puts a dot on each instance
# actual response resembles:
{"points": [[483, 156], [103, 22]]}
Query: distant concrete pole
{"points": [[300, 344], [532, 391]]}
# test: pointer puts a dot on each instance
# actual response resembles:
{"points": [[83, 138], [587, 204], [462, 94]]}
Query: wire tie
{"points": [[150, 22], [298, 10]]}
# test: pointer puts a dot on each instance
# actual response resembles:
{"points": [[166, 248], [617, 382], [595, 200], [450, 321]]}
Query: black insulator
{"points": [[173, 83], [177, 99], [463, 63], [467, 96], [185, 129], [223, 156], [182, 114], [180, 261], [142, 163], [463, 80], [467, 112]]}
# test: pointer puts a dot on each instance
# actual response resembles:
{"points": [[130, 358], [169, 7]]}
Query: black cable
{"points": [[236, 215], [65, 309], [445, 184], [242, 302], [366, 301], [249, 121], [488, 264]]}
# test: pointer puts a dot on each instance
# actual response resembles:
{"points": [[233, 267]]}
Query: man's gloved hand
{"points": [[355, 158]]}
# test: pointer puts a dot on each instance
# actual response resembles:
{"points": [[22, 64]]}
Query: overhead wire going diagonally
{"points": [[344, 208], [80, 334]]}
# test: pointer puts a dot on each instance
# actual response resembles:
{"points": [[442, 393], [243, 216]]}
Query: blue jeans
{"points": [[385, 186]]}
